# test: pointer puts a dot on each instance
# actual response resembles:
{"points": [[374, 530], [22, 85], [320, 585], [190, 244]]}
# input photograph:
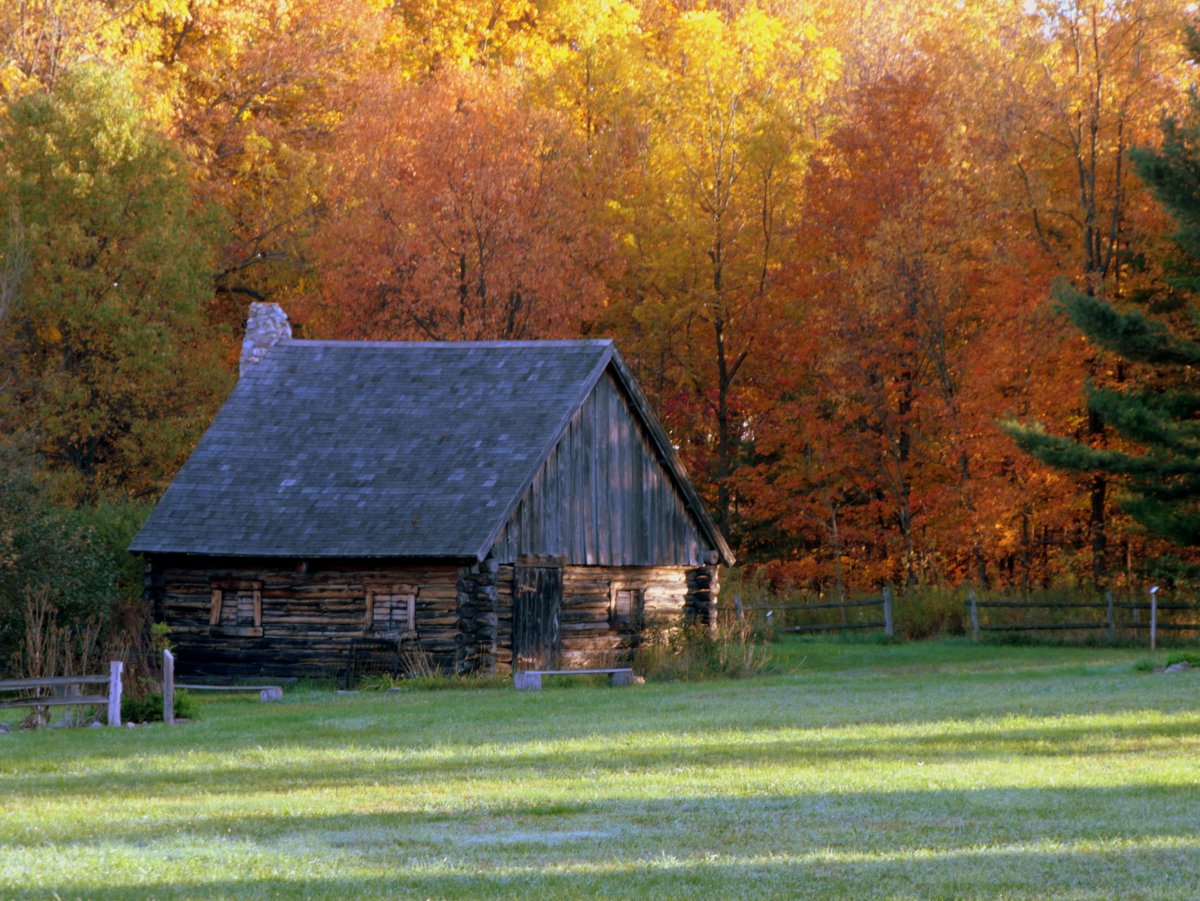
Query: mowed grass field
{"points": [[860, 770]]}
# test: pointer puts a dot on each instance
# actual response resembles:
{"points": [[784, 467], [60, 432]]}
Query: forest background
{"points": [[823, 233]]}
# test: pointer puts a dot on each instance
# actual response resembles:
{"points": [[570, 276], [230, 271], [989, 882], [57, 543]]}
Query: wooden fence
{"points": [[1109, 619], [67, 691], [794, 611], [265, 692]]}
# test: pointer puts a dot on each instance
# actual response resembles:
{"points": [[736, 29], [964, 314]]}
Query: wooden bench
{"points": [[531, 680], [265, 692]]}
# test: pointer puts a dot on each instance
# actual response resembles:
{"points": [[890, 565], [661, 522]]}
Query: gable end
{"points": [[607, 495]]}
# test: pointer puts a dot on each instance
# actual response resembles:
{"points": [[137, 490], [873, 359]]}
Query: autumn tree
{"points": [[881, 295], [456, 33], [705, 229], [457, 216], [41, 40], [108, 369], [1160, 473], [255, 91]]}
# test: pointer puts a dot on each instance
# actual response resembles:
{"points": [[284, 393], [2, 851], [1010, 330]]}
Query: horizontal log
{"points": [[595, 658], [344, 624], [585, 610], [672, 608], [611, 643], [584, 627]]}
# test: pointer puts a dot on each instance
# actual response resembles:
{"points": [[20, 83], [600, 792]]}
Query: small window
{"points": [[236, 607], [625, 607], [391, 610]]}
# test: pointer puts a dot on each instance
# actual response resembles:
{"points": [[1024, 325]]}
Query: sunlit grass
{"points": [[933, 770]]}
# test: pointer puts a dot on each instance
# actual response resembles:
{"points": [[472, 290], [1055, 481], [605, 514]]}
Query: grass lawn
{"points": [[862, 770]]}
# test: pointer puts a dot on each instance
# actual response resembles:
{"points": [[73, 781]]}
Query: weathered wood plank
{"points": [[56, 701]]}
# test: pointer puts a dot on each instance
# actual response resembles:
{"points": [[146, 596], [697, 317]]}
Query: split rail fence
{"points": [[1110, 615], [67, 691], [850, 614], [265, 692]]}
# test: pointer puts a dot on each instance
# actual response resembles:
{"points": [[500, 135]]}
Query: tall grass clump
{"points": [[926, 611], [695, 652]]}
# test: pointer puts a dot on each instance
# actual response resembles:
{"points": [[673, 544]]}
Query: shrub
{"points": [[48, 552], [1192, 659], [74, 561], [379, 682], [149, 707]]}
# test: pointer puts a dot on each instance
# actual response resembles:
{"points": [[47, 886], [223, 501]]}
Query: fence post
{"points": [[114, 692], [1111, 618], [168, 687], [1153, 617], [737, 605], [887, 611], [974, 616]]}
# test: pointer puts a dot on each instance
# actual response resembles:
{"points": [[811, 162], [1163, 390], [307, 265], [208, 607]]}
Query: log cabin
{"points": [[482, 507]]}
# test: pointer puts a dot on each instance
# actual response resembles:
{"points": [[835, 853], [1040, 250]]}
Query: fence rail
{"points": [[1109, 622], [883, 601]]}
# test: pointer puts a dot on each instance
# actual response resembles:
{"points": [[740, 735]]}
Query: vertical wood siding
{"points": [[603, 498]]}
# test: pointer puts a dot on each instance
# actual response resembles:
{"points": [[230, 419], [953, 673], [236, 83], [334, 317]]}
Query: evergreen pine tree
{"points": [[1161, 416]]}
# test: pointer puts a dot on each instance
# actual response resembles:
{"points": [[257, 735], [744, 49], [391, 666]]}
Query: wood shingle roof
{"points": [[365, 449]]}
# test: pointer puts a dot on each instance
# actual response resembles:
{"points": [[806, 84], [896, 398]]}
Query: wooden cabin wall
{"points": [[603, 498], [308, 619], [504, 620], [478, 617], [464, 615], [672, 596]]}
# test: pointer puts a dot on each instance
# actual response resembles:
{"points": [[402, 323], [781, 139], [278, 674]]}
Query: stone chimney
{"points": [[266, 326]]}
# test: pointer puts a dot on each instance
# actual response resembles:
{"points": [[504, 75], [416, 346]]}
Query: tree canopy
{"points": [[1155, 413], [109, 363], [824, 234]]}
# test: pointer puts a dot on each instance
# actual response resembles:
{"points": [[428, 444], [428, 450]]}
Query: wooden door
{"points": [[537, 597]]}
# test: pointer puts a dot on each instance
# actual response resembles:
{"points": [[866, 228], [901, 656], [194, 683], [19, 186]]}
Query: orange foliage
{"points": [[456, 214]]}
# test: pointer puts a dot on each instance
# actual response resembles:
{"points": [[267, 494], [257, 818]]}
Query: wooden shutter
{"points": [[390, 609], [236, 607]]}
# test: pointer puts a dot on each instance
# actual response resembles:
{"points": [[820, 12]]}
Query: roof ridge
{"points": [[487, 345]]}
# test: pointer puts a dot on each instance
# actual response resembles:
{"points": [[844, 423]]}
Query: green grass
{"points": [[867, 770]]}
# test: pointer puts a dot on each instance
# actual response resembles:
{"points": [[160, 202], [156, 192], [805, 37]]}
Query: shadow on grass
{"points": [[643, 864], [871, 822]]}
